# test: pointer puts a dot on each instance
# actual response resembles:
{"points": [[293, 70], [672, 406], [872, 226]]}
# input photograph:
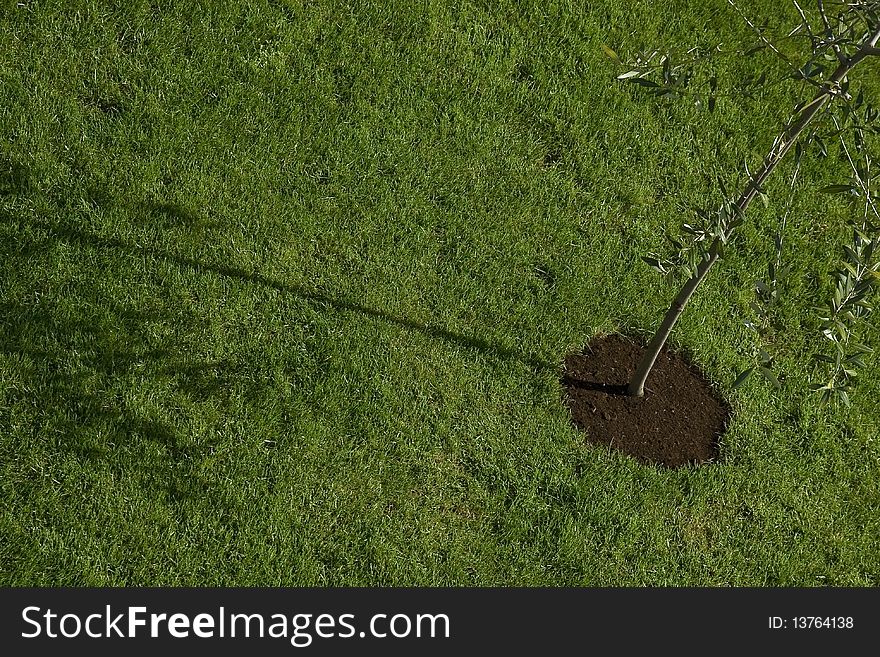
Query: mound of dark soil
{"points": [[679, 420]]}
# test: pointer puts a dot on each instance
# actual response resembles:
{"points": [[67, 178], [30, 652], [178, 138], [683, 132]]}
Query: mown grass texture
{"points": [[286, 289]]}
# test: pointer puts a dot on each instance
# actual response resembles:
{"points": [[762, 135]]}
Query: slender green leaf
{"points": [[610, 54], [770, 376], [836, 189], [743, 377]]}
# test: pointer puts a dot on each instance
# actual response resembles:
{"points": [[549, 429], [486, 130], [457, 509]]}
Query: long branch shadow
{"points": [[90, 239], [87, 417]]}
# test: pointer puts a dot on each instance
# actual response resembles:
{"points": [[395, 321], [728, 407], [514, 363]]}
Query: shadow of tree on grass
{"points": [[84, 410], [76, 236], [74, 374]]}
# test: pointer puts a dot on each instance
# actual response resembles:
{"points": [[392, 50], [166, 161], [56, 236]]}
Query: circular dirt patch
{"points": [[679, 420]]}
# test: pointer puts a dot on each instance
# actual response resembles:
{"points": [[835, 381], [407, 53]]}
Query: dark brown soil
{"points": [[679, 420]]}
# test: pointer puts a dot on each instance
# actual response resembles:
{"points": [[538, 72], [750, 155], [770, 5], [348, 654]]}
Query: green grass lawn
{"points": [[286, 286]]}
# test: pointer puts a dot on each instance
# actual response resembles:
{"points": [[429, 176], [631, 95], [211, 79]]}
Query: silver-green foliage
{"points": [[839, 36]]}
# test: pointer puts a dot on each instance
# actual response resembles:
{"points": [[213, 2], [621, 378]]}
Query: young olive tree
{"points": [[840, 38]]}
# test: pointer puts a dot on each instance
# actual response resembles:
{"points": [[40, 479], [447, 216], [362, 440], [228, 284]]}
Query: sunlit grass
{"points": [[286, 287]]}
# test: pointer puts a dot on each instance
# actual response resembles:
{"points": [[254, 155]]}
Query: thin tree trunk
{"points": [[781, 146]]}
